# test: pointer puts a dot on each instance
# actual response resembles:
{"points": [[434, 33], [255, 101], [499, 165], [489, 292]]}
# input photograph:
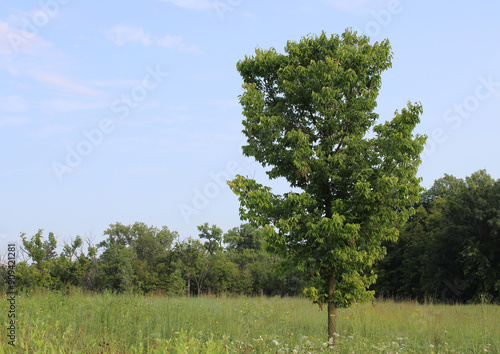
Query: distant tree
{"points": [[244, 237], [188, 256], [309, 117], [146, 245], [449, 250], [223, 275], [148, 242], [474, 223], [115, 268], [39, 250], [213, 235]]}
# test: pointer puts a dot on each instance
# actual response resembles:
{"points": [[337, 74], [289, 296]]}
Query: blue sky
{"points": [[125, 111]]}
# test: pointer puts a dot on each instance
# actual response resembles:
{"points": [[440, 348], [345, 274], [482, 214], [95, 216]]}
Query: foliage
{"points": [[450, 250], [39, 250], [309, 117]]}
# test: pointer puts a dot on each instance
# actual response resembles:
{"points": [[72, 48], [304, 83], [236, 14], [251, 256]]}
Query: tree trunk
{"points": [[332, 309], [189, 287]]}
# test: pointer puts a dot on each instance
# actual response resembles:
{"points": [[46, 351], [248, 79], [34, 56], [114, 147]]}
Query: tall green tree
{"points": [[309, 116]]}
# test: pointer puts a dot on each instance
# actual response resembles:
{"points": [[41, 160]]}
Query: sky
{"points": [[126, 111]]}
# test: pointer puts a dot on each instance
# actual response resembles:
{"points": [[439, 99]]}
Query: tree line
{"points": [[146, 259], [449, 250]]}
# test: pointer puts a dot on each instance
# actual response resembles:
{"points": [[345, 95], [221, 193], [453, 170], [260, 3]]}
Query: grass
{"points": [[90, 323]]}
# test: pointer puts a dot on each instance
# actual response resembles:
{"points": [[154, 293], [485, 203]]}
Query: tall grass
{"points": [[89, 323]]}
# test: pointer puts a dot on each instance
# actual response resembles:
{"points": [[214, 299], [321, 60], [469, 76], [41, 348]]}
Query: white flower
{"points": [[275, 342]]}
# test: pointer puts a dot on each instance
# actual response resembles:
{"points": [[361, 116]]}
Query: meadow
{"points": [[50, 322]]}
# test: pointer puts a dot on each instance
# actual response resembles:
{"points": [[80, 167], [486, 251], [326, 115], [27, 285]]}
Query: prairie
{"points": [[48, 322]]}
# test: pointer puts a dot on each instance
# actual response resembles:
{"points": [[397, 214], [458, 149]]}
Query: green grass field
{"points": [[88, 323]]}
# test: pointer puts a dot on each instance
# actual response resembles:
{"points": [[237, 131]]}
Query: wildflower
{"points": [[431, 345]]}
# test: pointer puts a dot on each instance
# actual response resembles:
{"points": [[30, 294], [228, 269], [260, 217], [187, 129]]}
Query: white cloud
{"points": [[193, 4], [52, 129], [13, 103], [225, 105], [59, 105], [14, 41], [123, 34], [356, 6], [13, 121], [62, 82], [175, 42]]}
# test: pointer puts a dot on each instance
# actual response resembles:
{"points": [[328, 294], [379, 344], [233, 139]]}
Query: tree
{"points": [[474, 224], [146, 245], [39, 250], [188, 256], [449, 249], [243, 237], [213, 235], [309, 117], [115, 268]]}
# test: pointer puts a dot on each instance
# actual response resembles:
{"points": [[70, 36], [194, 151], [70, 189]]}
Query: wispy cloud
{"points": [[62, 82], [14, 41], [13, 121], [60, 105], [175, 42], [52, 129], [356, 6], [13, 103], [192, 4], [122, 35]]}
